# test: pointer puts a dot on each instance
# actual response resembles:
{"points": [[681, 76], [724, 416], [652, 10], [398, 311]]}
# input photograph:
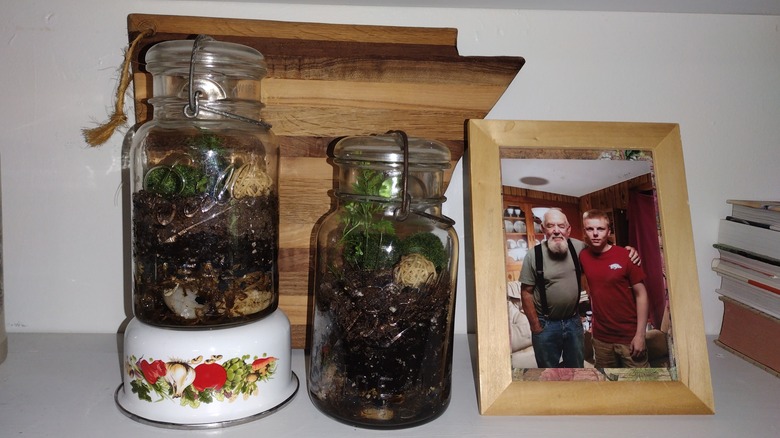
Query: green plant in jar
{"points": [[366, 231], [187, 179]]}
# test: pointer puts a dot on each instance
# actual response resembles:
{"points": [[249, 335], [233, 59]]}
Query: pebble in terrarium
{"points": [[204, 199], [384, 287]]}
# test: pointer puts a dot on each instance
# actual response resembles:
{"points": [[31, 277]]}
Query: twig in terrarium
{"points": [[395, 338], [187, 229]]}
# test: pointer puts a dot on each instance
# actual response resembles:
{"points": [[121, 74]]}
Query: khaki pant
{"points": [[609, 355]]}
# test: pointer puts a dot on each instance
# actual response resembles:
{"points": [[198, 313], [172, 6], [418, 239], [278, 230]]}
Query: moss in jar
{"points": [[427, 245], [177, 180]]}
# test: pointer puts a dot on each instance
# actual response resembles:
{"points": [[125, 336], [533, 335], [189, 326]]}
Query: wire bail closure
{"points": [[193, 106], [406, 199]]}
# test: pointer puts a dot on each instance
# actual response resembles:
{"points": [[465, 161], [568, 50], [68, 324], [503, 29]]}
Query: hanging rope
{"points": [[100, 134]]}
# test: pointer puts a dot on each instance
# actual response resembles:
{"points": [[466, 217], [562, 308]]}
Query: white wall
{"points": [[718, 76]]}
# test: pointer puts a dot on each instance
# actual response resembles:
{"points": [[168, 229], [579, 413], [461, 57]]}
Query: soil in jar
{"points": [[199, 262], [386, 359]]}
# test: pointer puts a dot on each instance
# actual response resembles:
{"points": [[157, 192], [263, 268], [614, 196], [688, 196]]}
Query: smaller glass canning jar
{"points": [[384, 286]]}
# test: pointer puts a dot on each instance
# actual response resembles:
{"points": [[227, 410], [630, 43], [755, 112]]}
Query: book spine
{"points": [[747, 331]]}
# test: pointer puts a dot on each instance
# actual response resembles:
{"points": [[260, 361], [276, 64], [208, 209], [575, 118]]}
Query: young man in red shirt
{"points": [[618, 298]]}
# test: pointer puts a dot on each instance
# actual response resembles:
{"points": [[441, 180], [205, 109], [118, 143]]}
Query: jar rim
{"points": [[387, 148]]}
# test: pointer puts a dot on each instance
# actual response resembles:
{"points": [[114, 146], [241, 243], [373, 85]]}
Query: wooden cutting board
{"points": [[327, 81]]}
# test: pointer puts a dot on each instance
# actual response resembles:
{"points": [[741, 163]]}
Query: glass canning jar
{"points": [[204, 199], [384, 286]]}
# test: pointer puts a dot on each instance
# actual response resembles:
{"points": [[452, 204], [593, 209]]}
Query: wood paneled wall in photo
{"points": [[327, 81], [615, 197], [553, 198]]}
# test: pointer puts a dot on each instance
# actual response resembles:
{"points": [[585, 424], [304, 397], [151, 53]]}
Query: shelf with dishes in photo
{"points": [[518, 220]]}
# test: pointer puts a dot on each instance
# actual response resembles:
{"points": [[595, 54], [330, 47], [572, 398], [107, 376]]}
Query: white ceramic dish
{"points": [[508, 225], [206, 378], [517, 254]]}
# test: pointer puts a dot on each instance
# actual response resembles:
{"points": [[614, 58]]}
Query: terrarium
{"points": [[203, 177], [384, 286], [208, 346]]}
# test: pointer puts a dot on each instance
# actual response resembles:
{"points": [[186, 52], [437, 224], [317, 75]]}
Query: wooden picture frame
{"points": [[497, 392]]}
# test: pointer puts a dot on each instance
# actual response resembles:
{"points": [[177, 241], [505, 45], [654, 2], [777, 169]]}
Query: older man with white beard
{"points": [[556, 327]]}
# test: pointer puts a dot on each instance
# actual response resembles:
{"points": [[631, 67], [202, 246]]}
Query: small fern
{"points": [[369, 240]]}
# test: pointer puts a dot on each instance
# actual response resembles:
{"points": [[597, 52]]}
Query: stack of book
{"points": [[749, 267]]}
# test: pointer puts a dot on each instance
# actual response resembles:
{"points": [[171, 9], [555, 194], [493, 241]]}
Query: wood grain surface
{"points": [[326, 81]]}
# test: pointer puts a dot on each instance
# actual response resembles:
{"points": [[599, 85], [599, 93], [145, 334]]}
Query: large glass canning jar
{"points": [[384, 286], [204, 190]]}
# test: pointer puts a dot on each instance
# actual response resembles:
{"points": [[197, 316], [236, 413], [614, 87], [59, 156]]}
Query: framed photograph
{"points": [[500, 391]]}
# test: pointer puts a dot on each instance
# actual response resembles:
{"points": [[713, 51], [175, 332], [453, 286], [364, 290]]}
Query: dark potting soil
{"points": [[387, 359], [224, 253]]}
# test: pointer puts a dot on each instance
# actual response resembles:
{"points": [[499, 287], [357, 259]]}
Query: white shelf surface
{"points": [[64, 384]]}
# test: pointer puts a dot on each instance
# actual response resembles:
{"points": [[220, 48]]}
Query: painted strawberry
{"points": [[152, 371], [264, 365], [209, 375]]}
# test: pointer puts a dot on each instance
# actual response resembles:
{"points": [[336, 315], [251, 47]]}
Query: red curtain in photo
{"points": [[643, 235]]}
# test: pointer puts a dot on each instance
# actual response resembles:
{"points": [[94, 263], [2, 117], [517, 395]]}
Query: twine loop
{"points": [[100, 134]]}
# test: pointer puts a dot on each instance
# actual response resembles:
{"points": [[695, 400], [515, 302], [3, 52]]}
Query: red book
{"points": [[751, 335]]}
